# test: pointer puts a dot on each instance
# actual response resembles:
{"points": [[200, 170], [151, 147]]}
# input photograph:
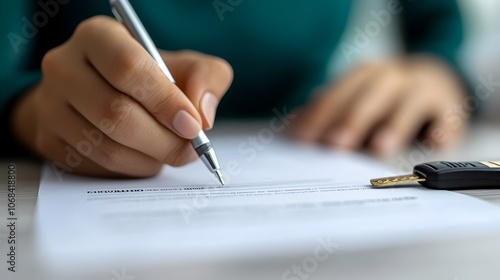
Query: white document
{"points": [[281, 198]]}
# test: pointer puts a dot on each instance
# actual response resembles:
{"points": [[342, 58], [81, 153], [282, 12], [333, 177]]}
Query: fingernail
{"points": [[342, 139], [186, 125], [386, 144], [208, 107]]}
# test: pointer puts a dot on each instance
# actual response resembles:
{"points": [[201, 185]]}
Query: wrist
{"points": [[22, 121]]}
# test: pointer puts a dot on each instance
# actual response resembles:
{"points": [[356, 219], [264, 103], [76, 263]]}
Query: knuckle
{"points": [[214, 62], [127, 70], [200, 62], [50, 61], [216, 65], [91, 27], [163, 103], [119, 117], [188, 54], [223, 65]]}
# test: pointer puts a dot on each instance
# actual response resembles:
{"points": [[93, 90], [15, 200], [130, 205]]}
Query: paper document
{"points": [[280, 198]]}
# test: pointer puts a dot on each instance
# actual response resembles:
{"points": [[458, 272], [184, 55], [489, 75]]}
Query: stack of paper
{"points": [[281, 199]]}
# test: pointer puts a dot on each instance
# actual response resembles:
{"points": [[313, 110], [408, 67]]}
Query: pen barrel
{"points": [[210, 160], [200, 140], [124, 12], [205, 151]]}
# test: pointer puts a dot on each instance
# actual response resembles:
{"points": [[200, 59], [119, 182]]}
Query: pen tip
{"points": [[219, 176]]}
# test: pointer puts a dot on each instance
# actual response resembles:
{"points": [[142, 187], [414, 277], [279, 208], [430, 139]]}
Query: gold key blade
{"points": [[396, 180]]}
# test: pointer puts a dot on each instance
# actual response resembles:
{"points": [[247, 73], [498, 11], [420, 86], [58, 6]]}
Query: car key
{"points": [[446, 175]]}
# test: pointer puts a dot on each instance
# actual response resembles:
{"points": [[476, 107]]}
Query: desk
{"points": [[458, 260]]}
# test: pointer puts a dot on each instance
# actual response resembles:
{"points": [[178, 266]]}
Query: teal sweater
{"points": [[279, 49]]}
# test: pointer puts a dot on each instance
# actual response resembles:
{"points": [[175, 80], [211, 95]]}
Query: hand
{"points": [[104, 100], [385, 106]]}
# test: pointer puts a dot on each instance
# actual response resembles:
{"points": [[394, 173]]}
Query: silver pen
{"points": [[124, 12]]}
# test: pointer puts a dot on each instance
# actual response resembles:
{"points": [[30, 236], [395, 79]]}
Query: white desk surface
{"points": [[468, 259]]}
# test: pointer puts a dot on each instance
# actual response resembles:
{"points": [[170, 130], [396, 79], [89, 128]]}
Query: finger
{"points": [[91, 143], [443, 131], [203, 78], [402, 126], [128, 67], [374, 104], [114, 113], [64, 159], [331, 105]]}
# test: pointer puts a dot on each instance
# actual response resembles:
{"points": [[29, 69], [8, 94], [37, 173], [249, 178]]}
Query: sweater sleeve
{"points": [[435, 28], [17, 70]]}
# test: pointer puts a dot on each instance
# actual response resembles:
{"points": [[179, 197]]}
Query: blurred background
{"points": [[480, 54]]}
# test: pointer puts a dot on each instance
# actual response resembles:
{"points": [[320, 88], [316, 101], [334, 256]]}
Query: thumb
{"points": [[204, 79]]}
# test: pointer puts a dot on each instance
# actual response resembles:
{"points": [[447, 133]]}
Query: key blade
{"points": [[396, 180]]}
